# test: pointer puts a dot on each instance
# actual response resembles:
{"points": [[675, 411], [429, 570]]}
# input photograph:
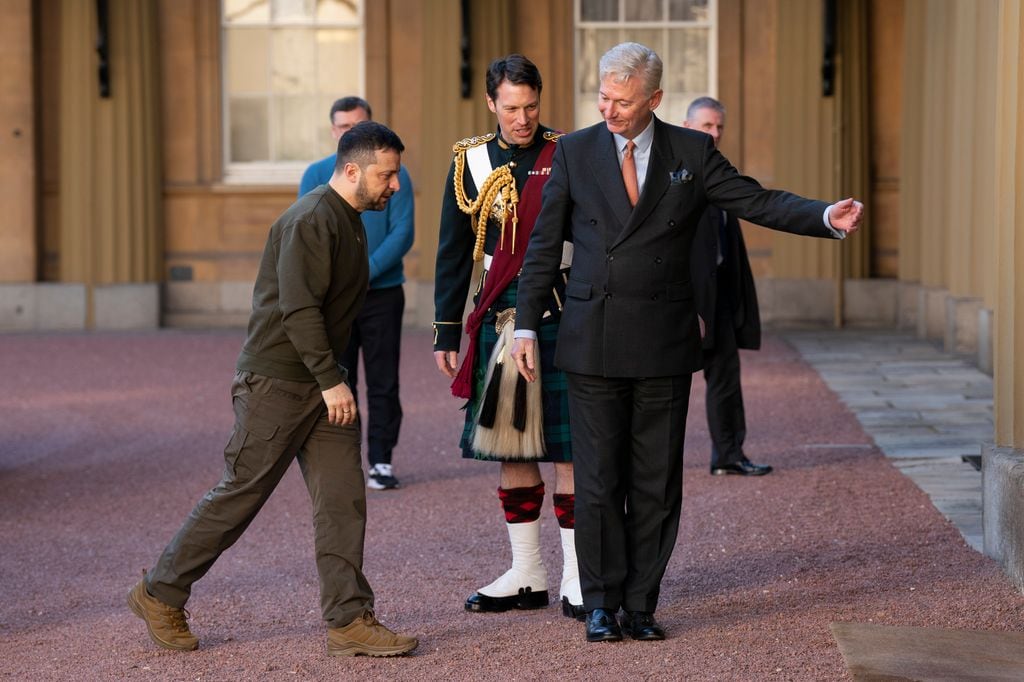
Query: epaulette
{"points": [[475, 141], [552, 135]]}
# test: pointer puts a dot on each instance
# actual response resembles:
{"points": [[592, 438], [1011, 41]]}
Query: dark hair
{"points": [[350, 103], [516, 69], [361, 143]]}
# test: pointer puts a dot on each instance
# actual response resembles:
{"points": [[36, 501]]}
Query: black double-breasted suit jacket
{"points": [[630, 308], [724, 289]]}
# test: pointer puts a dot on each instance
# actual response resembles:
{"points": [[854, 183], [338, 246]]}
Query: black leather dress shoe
{"points": [[602, 626], [573, 611], [742, 468], [526, 599], [642, 626]]}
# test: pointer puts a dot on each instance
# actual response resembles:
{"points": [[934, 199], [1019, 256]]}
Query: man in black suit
{"points": [[727, 302], [629, 193]]}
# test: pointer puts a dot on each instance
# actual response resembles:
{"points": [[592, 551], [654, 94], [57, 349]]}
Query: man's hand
{"points": [[341, 406], [523, 352], [447, 361], [846, 215]]}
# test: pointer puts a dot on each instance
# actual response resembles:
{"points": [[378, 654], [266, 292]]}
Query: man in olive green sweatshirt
{"points": [[291, 402]]}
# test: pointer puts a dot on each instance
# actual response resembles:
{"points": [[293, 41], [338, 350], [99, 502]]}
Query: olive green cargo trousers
{"points": [[277, 421]]}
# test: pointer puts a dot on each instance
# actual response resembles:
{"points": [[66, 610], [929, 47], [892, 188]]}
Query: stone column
{"points": [[1003, 462], [438, 127], [806, 141], [911, 143], [854, 115], [1009, 313], [935, 157], [18, 257]]}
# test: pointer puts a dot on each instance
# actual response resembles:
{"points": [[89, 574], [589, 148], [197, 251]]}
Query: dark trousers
{"points": [[727, 421], [277, 421], [378, 332], [627, 437]]}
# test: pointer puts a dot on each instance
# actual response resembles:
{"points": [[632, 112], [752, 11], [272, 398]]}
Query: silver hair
{"points": [[704, 103], [628, 60]]}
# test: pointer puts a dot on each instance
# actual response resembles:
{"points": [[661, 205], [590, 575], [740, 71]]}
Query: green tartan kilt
{"points": [[554, 387]]}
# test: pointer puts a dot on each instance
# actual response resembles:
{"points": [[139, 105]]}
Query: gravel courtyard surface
{"points": [[107, 440]]}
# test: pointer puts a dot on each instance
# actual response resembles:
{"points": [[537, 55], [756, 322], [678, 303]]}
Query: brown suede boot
{"points": [[167, 625], [366, 636]]}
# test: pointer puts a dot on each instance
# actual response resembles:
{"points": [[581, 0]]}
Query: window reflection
{"points": [[291, 10], [284, 62], [246, 11], [249, 139], [680, 31], [688, 10], [599, 10], [341, 11], [644, 10]]}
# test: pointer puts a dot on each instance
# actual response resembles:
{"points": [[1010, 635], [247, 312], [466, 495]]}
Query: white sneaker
{"points": [[381, 477]]}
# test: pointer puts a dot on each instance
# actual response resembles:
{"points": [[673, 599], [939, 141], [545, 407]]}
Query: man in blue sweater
{"points": [[378, 327]]}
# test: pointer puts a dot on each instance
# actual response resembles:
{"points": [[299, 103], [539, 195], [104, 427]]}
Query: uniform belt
{"points": [[567, 249]]}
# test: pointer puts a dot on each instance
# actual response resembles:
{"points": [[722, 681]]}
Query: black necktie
{"points": [[722, 248]]}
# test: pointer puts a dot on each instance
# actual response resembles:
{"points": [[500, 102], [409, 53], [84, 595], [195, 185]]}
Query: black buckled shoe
{"points": [[526, 598], [602, 626], [573, 611], [641, 625], [742, 468]]}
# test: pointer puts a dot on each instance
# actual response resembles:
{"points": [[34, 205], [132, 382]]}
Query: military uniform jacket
{"points": [[630, 309], [457, 235]]}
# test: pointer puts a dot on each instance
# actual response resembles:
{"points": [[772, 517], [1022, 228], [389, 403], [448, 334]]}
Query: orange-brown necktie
{"points": [[629, 174]]}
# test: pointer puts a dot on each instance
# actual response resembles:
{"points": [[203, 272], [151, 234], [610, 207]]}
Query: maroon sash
{"points": [[505, 265]]}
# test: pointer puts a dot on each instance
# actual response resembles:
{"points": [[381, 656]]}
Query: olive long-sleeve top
{"points": [[312, 281]]}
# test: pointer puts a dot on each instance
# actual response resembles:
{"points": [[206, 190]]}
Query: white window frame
{"points": [[624, 27], [277, 172]]}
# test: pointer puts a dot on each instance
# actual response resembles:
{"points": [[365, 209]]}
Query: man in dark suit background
{"points": [[727, 302], [629, 193]]}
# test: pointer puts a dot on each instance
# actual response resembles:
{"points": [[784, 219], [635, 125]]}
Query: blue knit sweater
{"points": [[389, 233]]}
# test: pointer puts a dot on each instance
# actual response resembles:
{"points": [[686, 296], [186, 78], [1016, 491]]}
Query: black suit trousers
{"points": [[627, 438], [377, 330], [727, 422]]}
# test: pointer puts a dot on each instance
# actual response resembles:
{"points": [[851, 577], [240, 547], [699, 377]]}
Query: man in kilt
{"points": [[491, 200]]}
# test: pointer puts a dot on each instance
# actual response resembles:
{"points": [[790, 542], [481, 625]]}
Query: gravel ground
{"points": [[107, 440]]}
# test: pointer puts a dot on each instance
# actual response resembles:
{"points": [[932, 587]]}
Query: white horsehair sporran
{"points": [[509, 421]]}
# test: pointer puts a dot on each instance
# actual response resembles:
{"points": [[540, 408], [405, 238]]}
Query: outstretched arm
{"points": [[744, 197]]}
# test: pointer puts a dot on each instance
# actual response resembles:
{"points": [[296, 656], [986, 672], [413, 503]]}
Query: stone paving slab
{"points": [[975, 433], [925, 402], [883, 652], [923, 408], [979, 408], [887, 415], [914, 452]]}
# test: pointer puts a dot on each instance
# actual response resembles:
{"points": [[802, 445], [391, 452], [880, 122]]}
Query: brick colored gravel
{"points": [[107, 440]]}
